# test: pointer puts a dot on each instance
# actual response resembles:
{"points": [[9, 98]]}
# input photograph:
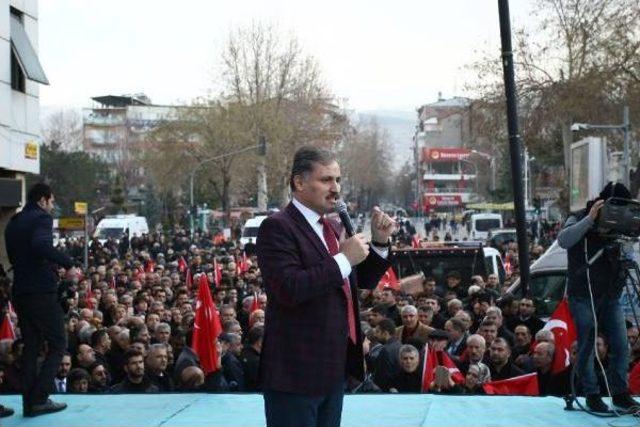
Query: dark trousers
{"points": [[299, 410], [41, 319]]}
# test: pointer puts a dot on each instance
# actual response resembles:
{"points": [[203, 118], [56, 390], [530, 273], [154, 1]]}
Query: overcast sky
{"points": [[391, 54]]}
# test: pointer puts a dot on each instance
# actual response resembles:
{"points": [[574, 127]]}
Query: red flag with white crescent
{"points": [[389, 280], [564, 332], [7, 330], [206, 328], [523, 385]]}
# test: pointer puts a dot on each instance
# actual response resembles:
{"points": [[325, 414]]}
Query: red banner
{"points": [[432, 201], [444, 154]]}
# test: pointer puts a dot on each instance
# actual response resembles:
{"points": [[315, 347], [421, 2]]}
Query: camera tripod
{"points": [[629, 275]]}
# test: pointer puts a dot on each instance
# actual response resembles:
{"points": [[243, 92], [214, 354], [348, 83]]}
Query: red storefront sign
{"points": [[444, 154], [431, 201]]}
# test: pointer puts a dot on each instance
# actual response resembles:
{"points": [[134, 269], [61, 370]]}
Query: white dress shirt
{"points": [[313, 218], [61, 385]]}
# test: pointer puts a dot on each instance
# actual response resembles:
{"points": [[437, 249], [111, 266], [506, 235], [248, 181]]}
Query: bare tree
{"points": [[281, 87], [64, 128], [580, 63], [364, 164]]}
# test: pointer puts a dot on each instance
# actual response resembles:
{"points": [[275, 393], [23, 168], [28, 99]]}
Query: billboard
{"points": [[444, 154], [432, 201], [588, 171]]}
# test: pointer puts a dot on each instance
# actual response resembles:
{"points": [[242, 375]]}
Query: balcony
{"points": [[448, 177]]}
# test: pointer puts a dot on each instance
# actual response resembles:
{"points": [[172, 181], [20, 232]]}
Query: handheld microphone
{"points": [[341, 208]]}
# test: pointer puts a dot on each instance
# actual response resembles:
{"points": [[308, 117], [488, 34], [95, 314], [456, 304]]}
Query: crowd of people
{"points": [[129, 324]]}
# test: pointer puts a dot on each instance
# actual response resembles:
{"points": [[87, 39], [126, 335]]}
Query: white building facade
{"points": [[20, 77]]}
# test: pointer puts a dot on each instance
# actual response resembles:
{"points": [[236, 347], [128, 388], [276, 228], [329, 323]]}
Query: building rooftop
{"points": [[122, 100]]}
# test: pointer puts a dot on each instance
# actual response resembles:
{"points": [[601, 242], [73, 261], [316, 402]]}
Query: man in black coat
{"points": [[29, 240], [500, 362], [387, 364], [250, 358]]}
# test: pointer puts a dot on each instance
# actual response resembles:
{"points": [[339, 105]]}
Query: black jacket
{"points": [[29, 240], [509, 370], [387, 364], [250, 360], [233, 373]]}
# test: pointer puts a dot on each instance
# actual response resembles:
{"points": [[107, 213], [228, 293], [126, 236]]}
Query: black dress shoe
{"points": [[624, 400], [5, 412], [595, 403], [44, 408]]}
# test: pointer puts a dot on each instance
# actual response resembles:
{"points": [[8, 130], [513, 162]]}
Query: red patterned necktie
{"points": [[332, 244]]}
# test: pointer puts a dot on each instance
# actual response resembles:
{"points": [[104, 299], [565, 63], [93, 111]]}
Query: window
{"points": [[24, 59], [17, 76]]}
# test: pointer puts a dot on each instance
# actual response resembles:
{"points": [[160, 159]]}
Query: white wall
{"points": [[19, 112]]}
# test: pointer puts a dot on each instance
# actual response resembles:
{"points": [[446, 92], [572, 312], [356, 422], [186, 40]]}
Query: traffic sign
{"points": [[80, 208], [71, 223]]}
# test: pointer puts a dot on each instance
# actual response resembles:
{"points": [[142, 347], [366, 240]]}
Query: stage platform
{"points": [[190, 410]]}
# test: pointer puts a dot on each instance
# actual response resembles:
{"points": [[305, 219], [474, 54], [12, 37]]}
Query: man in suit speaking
{"points": [[312, 340]]}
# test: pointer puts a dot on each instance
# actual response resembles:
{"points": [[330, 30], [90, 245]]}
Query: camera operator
{"points": [[601, 281]]}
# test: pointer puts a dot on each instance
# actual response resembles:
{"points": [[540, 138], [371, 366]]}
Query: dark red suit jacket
{"points": [[306, 349]]}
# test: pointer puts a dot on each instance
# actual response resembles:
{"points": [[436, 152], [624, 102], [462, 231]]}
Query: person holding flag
{"points": [[306, 269]]}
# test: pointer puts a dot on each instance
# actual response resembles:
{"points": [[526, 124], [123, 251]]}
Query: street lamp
{"points": [[203, 162], [625, 127], [528, 187]]}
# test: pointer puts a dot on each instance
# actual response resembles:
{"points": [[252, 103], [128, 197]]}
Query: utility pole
{"points": [[262, 174]]}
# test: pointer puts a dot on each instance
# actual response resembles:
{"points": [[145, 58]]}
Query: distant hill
{"points": [[400, 126]]}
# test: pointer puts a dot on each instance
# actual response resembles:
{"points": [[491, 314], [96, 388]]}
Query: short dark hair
{"points": [[458, 324], [97, 336], [304, 160], [255, 334], [38, 191], [387, 325], [77, 374], [500, 340], [381, 309], [130, 353], [487, 323], [93, 366]]}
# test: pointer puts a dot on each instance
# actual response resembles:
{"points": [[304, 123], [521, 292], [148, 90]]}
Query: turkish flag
{"points": [[415, 241], [434, 358], [206, 328], [564, 332], [523, 385], [389, 280], [245, 262], [255, 305], [7, 331], [239, 266], [182, 265], [217, 273], [150, 266], [88, 297], [508, 268], [188, 279]]}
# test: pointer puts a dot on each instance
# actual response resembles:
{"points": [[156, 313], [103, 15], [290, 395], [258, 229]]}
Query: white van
{"points": [[250, 229], [481, 223], [117, 225]]}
